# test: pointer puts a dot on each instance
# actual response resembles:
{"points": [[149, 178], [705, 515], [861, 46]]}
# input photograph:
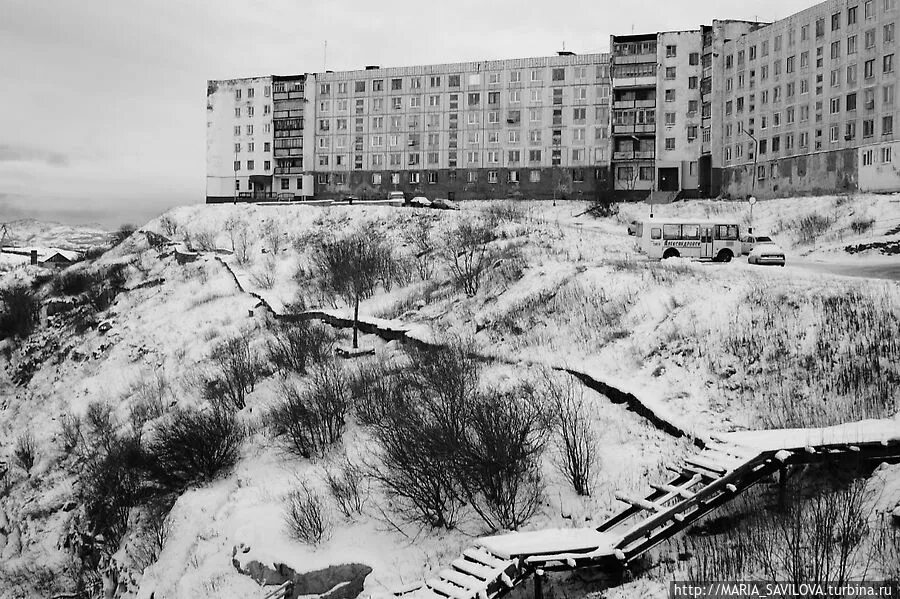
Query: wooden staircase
{"points": [[729, 465]]}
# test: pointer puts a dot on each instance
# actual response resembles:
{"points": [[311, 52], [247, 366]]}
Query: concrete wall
{"points": [[221, 102], [687, 151], [813, 174], [878, 167]]}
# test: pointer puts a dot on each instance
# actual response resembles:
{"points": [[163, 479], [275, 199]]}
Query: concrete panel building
{"points": [[239, 157], [810, 104]]}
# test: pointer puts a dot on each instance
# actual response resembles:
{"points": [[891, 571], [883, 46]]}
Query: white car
{"points": [[766, 253], [420, 201], [749, 241]]}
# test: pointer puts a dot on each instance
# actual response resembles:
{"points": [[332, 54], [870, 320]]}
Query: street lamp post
{"points": [[755, 159]]}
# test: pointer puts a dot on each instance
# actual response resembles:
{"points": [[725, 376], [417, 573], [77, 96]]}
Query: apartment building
{"points": [[535, 127], [809, 102], [239, 156]]}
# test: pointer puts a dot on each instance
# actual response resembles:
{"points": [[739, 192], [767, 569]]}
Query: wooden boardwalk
{"points": [[729, 465]]}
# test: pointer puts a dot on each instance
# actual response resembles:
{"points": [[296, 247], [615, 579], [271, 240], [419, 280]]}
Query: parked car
{"points": [[633, 227], [397, 196], [749, 241], [420, 201], [766, 252], [442, 204]]}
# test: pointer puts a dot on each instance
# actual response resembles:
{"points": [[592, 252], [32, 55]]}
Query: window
{"points": [[670, 143], [396, 84], [670, 95], [887, 94], [558, 74], [869, 69], [888, 37], [868, 157], [535, 74], [851, 75], [851, 45], [249, 129], [850, 130], [414, 178], [868, 127], [250, 165], [888, 63], [670, 119], [670, 72], [534, 155], [671, 51], [870, 38], [836, 21], [534, 176], [887, 125], [692, 132], [835, 105], [237, 165], [377, 85], [886, 154], [694, 58], [514, 156], [474, 99], [851, 15], [820, 27], [432, 177], [692, 82]]}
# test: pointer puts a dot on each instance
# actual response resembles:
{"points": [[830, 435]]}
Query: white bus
{"points": [[698, 239]]}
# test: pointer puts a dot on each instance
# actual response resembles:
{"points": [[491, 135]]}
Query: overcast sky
{"points": [[102, 117]]}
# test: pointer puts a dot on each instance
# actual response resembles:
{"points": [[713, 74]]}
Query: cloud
{"points": [[9, 153]]}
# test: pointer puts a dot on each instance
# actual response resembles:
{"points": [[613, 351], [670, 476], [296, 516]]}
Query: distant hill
{"points": [[35, 233]]}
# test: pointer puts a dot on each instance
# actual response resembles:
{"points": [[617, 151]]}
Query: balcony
{"points": [[634, 81], [633, 129], [624, 104], [288, 170], [629, 155], [288, 152]]}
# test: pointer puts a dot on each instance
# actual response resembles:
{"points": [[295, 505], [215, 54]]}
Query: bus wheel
{"points": [[724, 256], [670, 253]]}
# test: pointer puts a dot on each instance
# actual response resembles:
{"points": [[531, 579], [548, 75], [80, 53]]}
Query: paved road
{"points": [[882, 270]]}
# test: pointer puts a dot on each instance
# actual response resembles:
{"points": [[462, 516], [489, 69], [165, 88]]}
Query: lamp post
{"points": [[755, 158]]}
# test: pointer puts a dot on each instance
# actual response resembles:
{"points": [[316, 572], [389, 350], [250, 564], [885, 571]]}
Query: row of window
{"points": [[396, 159], [835, 134], [578, 73], [852, 17], [267, 128], [251, 147], [869, 95], [578, 135], [493, 117], [580, 94], [433, 177], [884, 154], [251, 92], [250, 112], [251, 165]]}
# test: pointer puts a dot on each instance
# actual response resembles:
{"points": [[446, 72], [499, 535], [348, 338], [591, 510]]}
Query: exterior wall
{"points": [[878, 167], [678, 102], [795, 93], [807, 174], [492, 116], [229, 136], [293, 142]]}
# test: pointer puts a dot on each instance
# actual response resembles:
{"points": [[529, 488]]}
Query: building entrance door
{"points": [[668, 179]]}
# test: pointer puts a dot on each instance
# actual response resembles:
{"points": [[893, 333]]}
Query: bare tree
{"points": [[273, 235], [576, 441], [466, 252], [352, 267]]}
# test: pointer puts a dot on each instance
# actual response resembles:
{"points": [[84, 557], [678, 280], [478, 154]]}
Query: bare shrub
{"points": [[144, 551], [603, 205], [111, 486], [370, 386], [820, 536], [421, 431], [346, 482], [352, 267], [307, 515], [101, 425], [273, 235], [71, 434], [194, 446], [862, 224], [501, 458], [169, 225], [811, 226], [122, 233], [19, 311], [205, 240], [313, 418], [418, 235], [238, 369], [149, 399], [294, 346], [239, 233], [465, 252], [264, 276], [509, 211], [25, 452], [576, 441]]}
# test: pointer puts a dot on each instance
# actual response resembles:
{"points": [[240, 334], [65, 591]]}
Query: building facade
{"points": [[735, 108], [809, 103]]}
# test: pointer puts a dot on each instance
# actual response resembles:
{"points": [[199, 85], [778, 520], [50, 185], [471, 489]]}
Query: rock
{"points": [[336, 582]]}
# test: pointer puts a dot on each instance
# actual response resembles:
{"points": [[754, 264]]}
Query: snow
{"points": [[851, 433], [552, 541]]}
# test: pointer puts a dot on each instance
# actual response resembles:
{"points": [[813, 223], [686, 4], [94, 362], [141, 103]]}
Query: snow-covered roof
{"points": [[865, 431]]}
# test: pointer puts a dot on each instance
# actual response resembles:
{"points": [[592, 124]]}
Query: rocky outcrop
{"points": [[334, 582]]}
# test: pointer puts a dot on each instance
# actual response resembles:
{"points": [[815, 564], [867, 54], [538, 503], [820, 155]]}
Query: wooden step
{"points": [[677, 491], [474, 569], [450, 590], [464, 580], [481, 556], [644, 504]]}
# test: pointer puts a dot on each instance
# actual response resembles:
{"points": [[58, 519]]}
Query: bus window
{"points": [[655, 233], [671, 231], [727, 232], [690, 231]]}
